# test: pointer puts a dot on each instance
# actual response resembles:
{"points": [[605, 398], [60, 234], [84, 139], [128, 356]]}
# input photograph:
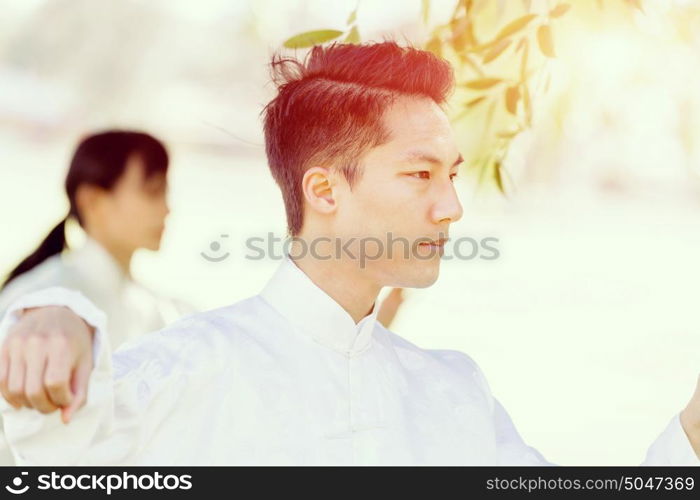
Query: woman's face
{"points": [[132, 214]]}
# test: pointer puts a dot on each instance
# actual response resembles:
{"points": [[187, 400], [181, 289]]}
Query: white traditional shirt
{"points": [[283, 377], [131, 308]]}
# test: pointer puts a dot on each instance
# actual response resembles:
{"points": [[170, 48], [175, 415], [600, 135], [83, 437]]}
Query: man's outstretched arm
{"points": [[139, 398], [46, 360], [53, 358]]}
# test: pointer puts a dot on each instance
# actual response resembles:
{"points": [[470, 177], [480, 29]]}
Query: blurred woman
{"points": [[116, 187]]}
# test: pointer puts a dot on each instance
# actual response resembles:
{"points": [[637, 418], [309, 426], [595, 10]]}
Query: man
{"points": [[301, 373]]}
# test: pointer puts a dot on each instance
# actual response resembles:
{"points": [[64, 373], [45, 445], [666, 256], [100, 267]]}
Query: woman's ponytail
{"points": [[53, 244]]}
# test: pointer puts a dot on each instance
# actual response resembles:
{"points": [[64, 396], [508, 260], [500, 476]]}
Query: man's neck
{"points": [[343, 282]]}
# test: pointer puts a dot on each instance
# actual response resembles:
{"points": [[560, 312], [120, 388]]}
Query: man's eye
{"points": [[423, 174]]}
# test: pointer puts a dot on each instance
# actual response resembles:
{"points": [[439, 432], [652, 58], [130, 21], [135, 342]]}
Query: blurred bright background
{"points": [[587, 326]]}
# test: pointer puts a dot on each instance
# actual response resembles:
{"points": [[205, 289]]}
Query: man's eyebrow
{"points": [[421, 156]]}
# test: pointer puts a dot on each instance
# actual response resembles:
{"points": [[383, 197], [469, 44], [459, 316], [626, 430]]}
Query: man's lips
{"points": [[439, 243]]}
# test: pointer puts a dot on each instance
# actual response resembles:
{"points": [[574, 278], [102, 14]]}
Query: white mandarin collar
{"points": [[315, 313], [93, 260]]}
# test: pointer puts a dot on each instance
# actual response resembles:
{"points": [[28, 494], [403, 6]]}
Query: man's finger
{"points": [[15, 381], [57, 379], [79, 387], [35, 362], [4, 371]]}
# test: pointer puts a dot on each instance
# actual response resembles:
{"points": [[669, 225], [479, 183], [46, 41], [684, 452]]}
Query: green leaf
{"points": [[484, 46], [352, 17], [523, 62], [482, 83], [559, 10], [311, 38], [544, 39], [353, 36], [512, 98], [527, 104], [497, 50], [497, 176], [508, 135], [515, 26], [475, 101]]}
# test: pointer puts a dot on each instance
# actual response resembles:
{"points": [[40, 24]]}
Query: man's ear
{"points": [[317, 187]]}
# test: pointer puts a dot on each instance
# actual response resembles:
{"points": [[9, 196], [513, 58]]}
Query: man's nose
{"points": [[447, 208]]}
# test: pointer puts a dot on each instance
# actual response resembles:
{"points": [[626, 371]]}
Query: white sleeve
{"points": [[512, 449], [130, 395], [672, 447], [35, 438], [60, 296]]}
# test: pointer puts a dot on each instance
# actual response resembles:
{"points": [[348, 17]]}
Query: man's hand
{"points": [[690, 420], [46, 360]]}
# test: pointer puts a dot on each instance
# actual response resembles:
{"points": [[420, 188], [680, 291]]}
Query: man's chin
{"points": [[425, 283], [420, 276]]}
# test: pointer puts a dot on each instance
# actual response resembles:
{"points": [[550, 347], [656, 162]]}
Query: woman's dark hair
{"points": [[99, 160]]}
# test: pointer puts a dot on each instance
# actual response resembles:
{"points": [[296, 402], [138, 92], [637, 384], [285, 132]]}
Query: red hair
{"points": [[329, 107]]}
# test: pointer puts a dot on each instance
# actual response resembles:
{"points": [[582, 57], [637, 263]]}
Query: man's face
{"points": [[404, 197]]}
